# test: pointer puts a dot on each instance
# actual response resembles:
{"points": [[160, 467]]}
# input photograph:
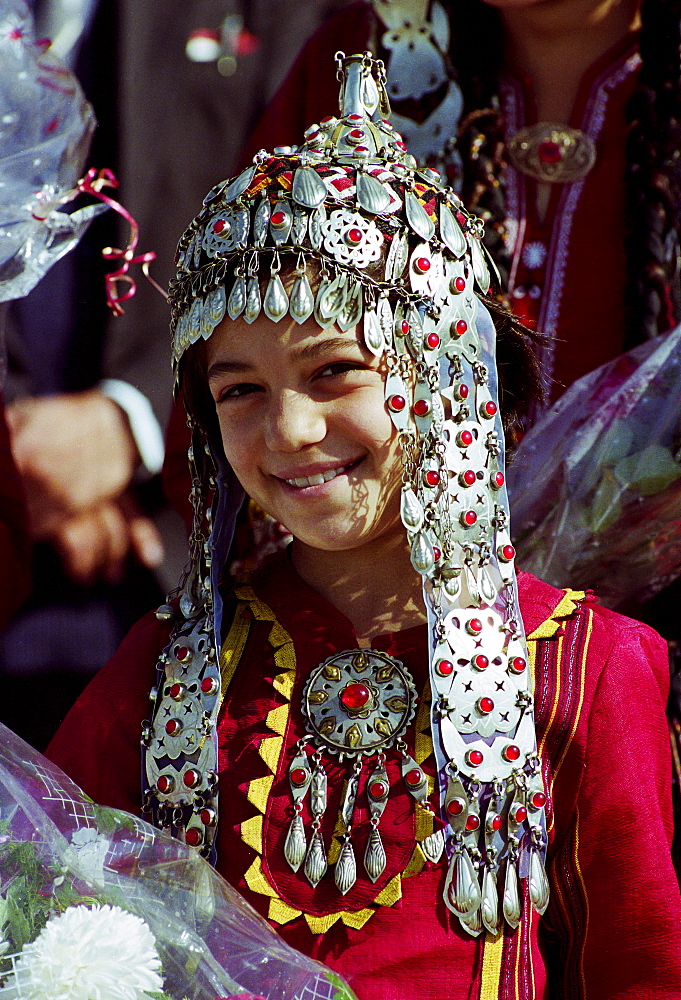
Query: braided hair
{"points": [[653, 154]]}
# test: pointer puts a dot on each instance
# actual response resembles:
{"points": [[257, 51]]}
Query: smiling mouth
{"points": [[321, 477]]}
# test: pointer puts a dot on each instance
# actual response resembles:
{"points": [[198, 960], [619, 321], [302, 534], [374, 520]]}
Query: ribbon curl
{"points": [[93, 183]]}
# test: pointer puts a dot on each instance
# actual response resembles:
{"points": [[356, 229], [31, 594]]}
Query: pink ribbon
{"points": [[92, 184]]}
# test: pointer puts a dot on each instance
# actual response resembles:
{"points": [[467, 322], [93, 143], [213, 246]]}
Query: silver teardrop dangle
{"points": [[489, 910], [411, 510], [308, 187], [511, 903], [302, 300], [451, 233], [397, 257], [418, 218], [317, 220], [472, 584], [261, 222], [351, 313], [216, 304], [538, 883], [346, 867], [295, 844], [276, 299], [422, 555], [372, 194], [487, 588], [373, 334], [462, 892], [480, 266], [315, 860], [237, 297], [253, 302], [374, 856], [433, 846]]}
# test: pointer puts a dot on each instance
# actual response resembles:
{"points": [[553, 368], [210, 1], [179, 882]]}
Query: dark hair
{"points": [[653, 152]]}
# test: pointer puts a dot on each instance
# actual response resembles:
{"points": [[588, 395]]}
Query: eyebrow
{"points": [[307, 353]]}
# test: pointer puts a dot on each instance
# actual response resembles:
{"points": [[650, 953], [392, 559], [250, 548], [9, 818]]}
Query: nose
{"points": [[294, 420]]}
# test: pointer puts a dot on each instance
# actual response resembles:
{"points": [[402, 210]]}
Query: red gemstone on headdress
{"points": [[177, 691], [401, 145], [489, 408], [497, 481], [421, 407], [353, 236], [506, 553], [474, 758], [494, 823], [209, 685], [480, 661], [361, 149], [460, 284], [193, 837], [354, 118], [355, 696], [455, 807], [414, 777], [405, 328], [511, 752], [538, 800], [474, 626], [191, 777], [218, 226], [299, 775], [549, 152], [485, 705], [278, 220], [327, 119], [461, 327], [520, 814], [517, 664], [468, 478], [445, 667], [388, 126], [422, 264], [432, 477], [207, 816], [173, 726], [378, 789], [397, 403], [462, 391], [436, 553], [182, 653], [472, 822], [464, 439], [165, 783], [356, 134], [469, 518], [433, 341]]}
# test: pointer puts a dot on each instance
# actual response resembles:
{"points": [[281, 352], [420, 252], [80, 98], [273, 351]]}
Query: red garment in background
{"points": [[612, 930]]}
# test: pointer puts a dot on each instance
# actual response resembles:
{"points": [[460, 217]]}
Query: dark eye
{"points": [[340, 368], [238, 391]]}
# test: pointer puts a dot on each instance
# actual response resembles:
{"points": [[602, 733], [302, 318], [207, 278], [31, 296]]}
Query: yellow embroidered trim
{"points": [[563, 609], [270, 751], [493, 949], [233, 647]]}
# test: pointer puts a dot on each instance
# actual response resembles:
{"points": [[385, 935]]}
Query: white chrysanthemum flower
{"points": [[97, 953]]}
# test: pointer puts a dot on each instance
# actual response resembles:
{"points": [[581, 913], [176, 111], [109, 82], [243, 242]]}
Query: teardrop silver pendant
{"points": [[490, 902], [419, 220], [295, 844], [372, 194], [432, 846], [276, 299], [315, 859], [302, 300], [346, 867], [374, 856], [511, 895], [237, 298], [253, 302], [451, 232], [538, 883], [308, 187]]}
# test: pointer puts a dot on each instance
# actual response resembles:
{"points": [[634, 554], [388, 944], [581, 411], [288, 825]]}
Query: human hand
{"points": [[95, 544], [75, 452]]}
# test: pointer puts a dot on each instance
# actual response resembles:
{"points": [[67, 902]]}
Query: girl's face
{"points": [[305, 428]]}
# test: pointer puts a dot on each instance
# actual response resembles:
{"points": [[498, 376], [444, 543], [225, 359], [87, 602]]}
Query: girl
{"points": [[385, 739]]}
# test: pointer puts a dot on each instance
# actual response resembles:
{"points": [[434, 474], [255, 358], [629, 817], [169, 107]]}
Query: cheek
{"points": [[238, 441]]}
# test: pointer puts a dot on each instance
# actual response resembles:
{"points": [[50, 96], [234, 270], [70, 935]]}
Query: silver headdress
{"points": [[398, 257]]}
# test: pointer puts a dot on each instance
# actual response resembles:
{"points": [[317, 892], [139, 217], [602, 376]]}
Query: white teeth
{"points": [[318, 479]]}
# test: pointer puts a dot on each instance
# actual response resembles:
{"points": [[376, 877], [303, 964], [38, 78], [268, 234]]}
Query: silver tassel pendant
{"points": [[315, 859], [346, 867], [539, 884], [253, 302], [490, 902], [374, 857], [302, 300], [295, 844], [462, 891], [511, 905], [275, 303], [237, 297]]}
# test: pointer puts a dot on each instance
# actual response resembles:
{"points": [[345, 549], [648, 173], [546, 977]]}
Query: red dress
{"points": [[612, 929]]}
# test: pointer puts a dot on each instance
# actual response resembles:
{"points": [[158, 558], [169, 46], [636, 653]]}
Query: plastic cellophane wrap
{"points": [[45, 130], [116, 910], [595, 486]]}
